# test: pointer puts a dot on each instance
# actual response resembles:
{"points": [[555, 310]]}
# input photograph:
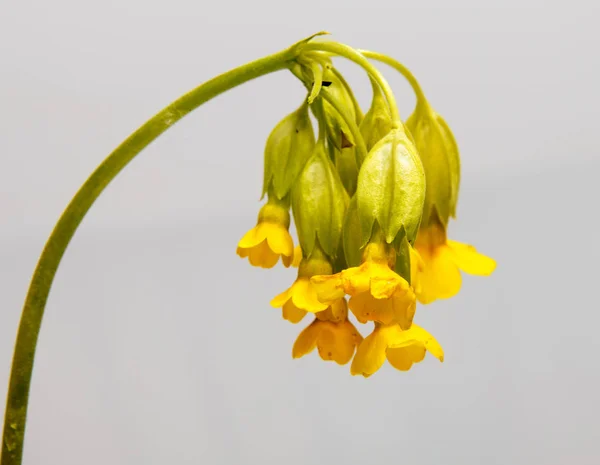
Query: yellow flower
{"points": [[331, 332], [269, 239], [438, 275], [377, 293], [401, 348], [300, 298]]}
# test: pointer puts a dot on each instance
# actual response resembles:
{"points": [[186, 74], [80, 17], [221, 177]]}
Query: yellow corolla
{"points": [[402, 348], [376, 293], [438, 272], [265, 243], [331, 333], [299, 299]]}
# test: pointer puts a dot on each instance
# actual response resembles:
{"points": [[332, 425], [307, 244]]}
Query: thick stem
{"points": [[351, 54], [401, 69], [33, 310]]}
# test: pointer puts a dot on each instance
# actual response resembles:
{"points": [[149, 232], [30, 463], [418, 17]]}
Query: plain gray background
{"points": [[159, 345]]}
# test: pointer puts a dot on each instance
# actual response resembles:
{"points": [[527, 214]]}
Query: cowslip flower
{"points": [[439, 276], [401, 348], [270, 238], [301, 297], [377, 293], [331, 333], [442, 260]]}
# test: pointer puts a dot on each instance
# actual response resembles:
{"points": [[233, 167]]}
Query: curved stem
{"points": [[33, 310], [401, 69], [342, 79], [351, 54]]}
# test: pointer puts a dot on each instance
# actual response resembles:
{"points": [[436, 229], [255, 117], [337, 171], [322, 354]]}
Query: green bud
{"points": [[441, 162], [377, 122], [288, 148], [337, 130], [391, 188], [319, 203]]}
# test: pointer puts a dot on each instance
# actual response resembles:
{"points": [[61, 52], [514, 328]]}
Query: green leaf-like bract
{"points": [[288, 148], [319, 202], [439, 155], [391, 188], [352, 236]]}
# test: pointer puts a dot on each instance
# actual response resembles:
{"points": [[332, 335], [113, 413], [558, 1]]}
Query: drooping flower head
{"points": [[442, 258]]}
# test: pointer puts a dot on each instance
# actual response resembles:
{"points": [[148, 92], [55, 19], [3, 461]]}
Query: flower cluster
{"points": [[371, 198]]}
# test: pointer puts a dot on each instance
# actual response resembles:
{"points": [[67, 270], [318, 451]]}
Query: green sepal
{"points": [[441, 162], [402, 266], [345, 163], [352, 235], [288, 148], [377, 122], [319, 203], [391, 188]]}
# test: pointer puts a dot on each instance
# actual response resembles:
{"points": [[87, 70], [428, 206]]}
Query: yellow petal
{"points": [[371, 352], [362, 306], [242, 252], [431, 344], [328, 288], [304, 296], [261, 255], [306, 341], [404, 308], [339, 310], [280, 299], [253, 237], [470, 261], [403, 358], [384, 288], [440, 277], [337, 341], [279, 239], [292, 313], [297, 256], [358, 279]]}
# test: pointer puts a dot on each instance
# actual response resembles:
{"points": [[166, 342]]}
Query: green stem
{"points": [[357, 109], [33, 310], [401, 69], [351, 54]]}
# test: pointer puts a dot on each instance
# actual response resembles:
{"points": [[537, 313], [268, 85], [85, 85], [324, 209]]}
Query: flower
{"points": [[298, 299], [401, 348], [377, 293], [269, 239], [331, 332], [438, 274], [301, 296]]}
